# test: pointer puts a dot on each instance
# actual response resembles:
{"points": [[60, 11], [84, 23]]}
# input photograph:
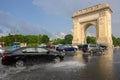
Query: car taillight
{"points": [[4, 56], [87, 49]]}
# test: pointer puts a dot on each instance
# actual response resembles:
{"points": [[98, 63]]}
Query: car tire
{"points": [[91, 52], [63, 53], [19, 63], [102, 52], [57, 60], [75, 50]]}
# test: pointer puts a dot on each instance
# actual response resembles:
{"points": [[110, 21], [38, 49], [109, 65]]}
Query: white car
{"points": [[76, 47], [1, 51]]}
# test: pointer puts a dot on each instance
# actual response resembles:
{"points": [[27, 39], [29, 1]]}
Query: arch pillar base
{"points": [[74, 42], [104, 41]]}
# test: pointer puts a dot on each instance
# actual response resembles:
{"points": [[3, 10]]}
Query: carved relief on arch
{"points": [[101, 14], [101, 20]]}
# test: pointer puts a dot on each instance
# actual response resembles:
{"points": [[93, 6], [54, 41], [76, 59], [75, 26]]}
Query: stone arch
{"points": [[100, 17], [85, 28]]}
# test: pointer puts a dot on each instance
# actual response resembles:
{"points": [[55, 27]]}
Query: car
{"points": [[30, 55], [76, 47], [43, 45], [70, 48], [1, 51], [60, 48], [92, 48], [104, 47], [16, 45], [66, 48], [80, 47]]}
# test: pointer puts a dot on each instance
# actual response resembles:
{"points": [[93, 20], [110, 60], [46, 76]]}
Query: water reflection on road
{"points": [[74, 67]]}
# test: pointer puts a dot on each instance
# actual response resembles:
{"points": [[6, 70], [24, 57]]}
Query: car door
{"points": [[42, 54], [30, 54]]}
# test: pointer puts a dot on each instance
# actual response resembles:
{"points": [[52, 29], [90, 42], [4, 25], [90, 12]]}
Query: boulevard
{"points": [[73, 67]]}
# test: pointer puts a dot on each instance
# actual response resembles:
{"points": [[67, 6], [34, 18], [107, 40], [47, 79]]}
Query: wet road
{"points": [[74, 67]]}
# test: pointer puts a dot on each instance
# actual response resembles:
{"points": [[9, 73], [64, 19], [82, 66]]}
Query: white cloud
{"points": [[20, 26], [68, 7], [62, 7]]}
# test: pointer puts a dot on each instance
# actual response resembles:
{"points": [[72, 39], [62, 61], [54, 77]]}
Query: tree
{"points": [[32, 40], [58, 41], [43, 39], [68, 39], [114, 40], [91, 39]]}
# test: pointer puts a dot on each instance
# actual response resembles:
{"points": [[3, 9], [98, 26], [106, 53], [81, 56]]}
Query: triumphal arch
{"points": [[98, 16]]}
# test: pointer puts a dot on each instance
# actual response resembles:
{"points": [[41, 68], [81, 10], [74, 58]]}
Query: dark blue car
{"points": [[69, 48], [66, 48]]}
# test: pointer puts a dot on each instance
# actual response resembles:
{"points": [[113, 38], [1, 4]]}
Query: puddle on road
{"points": [[6, 72], [68, 64]]}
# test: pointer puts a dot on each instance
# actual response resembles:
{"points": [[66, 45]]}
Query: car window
{"points": [[85, 46], [29, 50], [93, 45], [41, 50]]}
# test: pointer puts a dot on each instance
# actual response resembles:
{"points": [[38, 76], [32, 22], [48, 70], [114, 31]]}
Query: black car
{"points": [[27, 55]]}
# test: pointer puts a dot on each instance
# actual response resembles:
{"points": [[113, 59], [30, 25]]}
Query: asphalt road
{"points": [[74, 67]]}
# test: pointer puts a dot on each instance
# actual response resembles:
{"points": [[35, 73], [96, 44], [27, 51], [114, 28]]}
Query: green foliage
{"points": [[35, 40], [31, 40], [91, 39], [116, 41], [43, 39], [58, 41], [33, 44], [68, 39]]}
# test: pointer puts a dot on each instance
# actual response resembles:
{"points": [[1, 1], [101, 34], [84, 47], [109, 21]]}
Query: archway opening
{"points": [[91, 34]]}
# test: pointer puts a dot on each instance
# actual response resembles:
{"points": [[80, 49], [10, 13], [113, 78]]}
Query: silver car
{"points": [[92, 48]]}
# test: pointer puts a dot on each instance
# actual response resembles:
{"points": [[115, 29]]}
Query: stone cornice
{"points": [[92, 9]]}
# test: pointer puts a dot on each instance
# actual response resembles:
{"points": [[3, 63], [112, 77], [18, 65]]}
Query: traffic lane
{"points": [[60, 71], [40, 71], [98, 67]]}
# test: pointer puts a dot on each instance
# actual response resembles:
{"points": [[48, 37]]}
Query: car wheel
{"points": [[75, 50], [19, 63], [102, 52], [91, 52], [57, 60], [63, 53]]}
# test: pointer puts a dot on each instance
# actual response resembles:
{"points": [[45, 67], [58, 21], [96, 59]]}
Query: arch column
{"points": [[76, 32], [104, 28]]}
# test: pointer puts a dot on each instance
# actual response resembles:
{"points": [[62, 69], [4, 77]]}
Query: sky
{"points": [[51, 17]]}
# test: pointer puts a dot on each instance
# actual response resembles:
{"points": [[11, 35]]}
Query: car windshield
{"points": [[84, 46], [14, 50], [92, 45]]}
